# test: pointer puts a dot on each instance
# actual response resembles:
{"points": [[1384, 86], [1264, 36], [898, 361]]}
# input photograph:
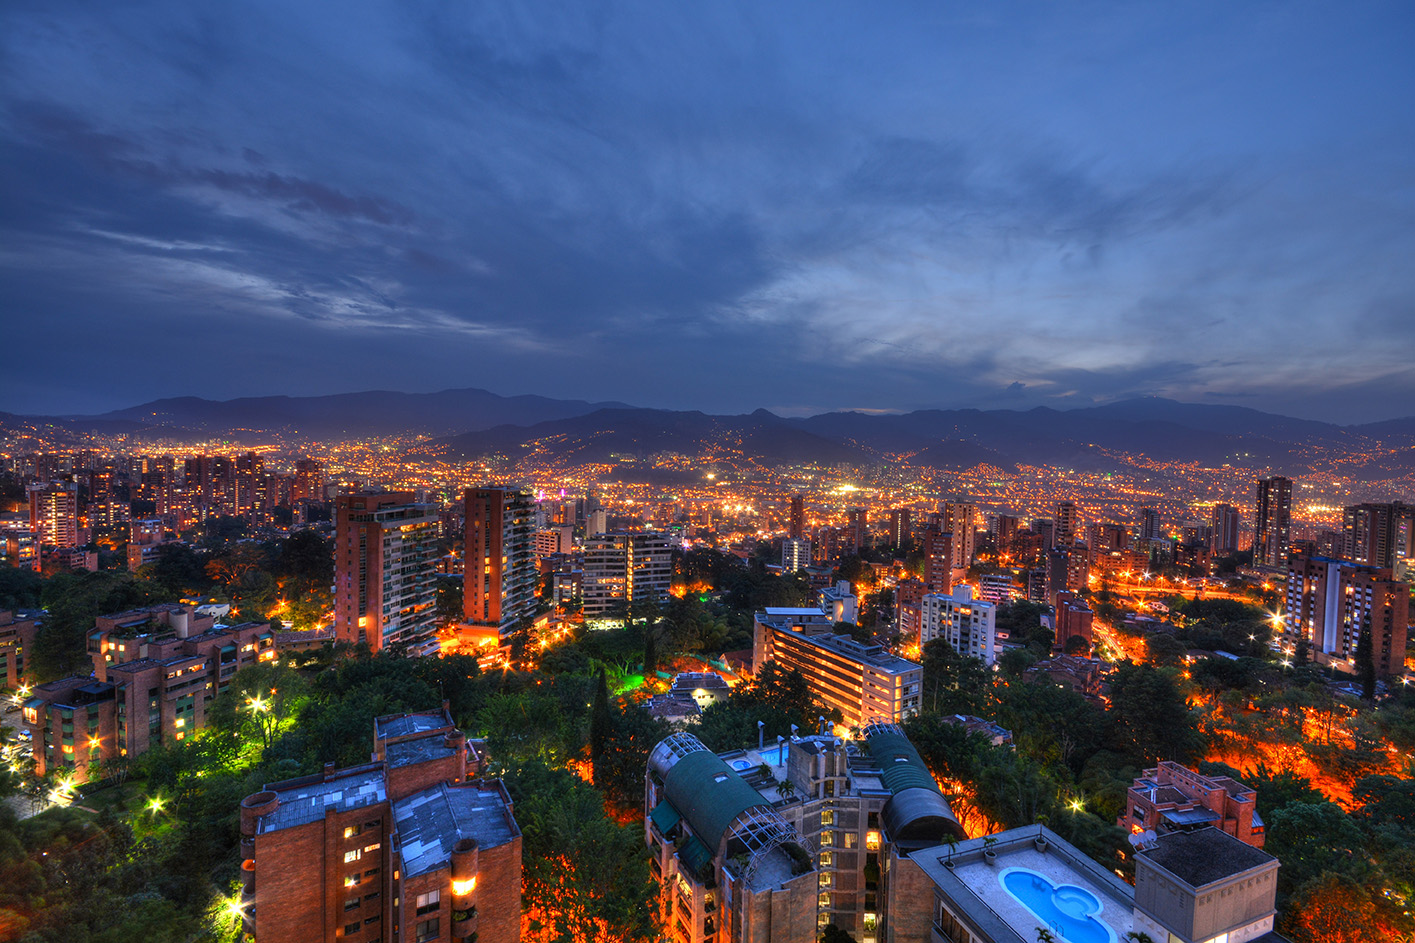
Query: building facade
{"points": [[499, 583], [624, 570], [403, 849], [385, 569], [775, 843], [1330, 602], [1272, 521], [1174, 798], [968, 624], [864, 682]]}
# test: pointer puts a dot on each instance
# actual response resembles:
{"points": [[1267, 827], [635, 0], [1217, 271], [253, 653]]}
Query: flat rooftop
{"points": [[431, 822], [976, 886], [1204, 856], [401, 725], [305, 802], [417, 750]]}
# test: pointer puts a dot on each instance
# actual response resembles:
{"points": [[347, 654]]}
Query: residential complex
{"points": [[862, 681], [385, 548], [1272, 520], [17, 633], [403, 849], [156, 672]]}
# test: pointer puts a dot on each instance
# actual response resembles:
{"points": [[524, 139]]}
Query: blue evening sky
{"points": [[721, 206]]}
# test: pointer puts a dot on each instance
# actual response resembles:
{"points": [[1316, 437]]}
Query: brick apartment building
{"points": [[156, 671], [402, 849], [1174, 798], [17, 632]]}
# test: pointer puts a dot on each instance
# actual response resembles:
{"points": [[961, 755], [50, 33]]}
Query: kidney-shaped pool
{"points": [[1069, 911]]}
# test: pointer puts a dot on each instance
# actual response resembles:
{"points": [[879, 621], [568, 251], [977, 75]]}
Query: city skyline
{"points": [[802, 209]]}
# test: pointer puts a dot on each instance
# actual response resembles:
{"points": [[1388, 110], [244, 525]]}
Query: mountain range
{"points": [[468, 423]]}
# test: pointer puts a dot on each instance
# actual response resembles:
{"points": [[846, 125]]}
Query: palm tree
{"points": [[786, 789]]}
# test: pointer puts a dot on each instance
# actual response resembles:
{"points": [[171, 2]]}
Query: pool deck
{"points": [[976, 887]]}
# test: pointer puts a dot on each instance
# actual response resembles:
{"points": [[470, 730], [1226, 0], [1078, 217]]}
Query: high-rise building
{"points": [[398, 850], [309, 482], [1377, 534], [624, 571], [938, 557], [385, 556], [54, 513], [857, 531], [1224, 521], [908, 603], [1073, 618], [1151, 527], [796, 528], [1067, 524], [795, 554], [901, 523], [1005, 532], [962, 521], [1329, 603], [1272, 521], [596, 522], [968, 624], [499, 581]]}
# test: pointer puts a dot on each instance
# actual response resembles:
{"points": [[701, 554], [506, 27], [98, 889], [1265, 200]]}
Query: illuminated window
{"points": [[354, 855], [872, 841], [429, 902], [351, 831]]}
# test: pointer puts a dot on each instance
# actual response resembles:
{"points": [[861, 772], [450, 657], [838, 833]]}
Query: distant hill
{"points": [[470, 422], [344, 415]]}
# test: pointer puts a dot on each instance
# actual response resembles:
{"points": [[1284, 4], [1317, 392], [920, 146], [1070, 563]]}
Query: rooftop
{"points": [[873, 656], [304, 800], [431, 822], [977, 887], [1204, 856], [417, 750], [402, 725]]}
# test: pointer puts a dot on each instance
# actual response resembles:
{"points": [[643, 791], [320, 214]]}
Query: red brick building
{"points": [[403, 849], [385, 567], [1073, 617], [16, 636], [153, 683], [1174, 798]]}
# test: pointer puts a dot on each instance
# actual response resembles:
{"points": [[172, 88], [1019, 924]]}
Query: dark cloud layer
{"points": [[795, 205]]}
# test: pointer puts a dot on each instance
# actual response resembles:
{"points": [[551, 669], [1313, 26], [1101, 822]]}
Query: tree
{"points": [[1365, 661], [1332, 908], [1077, 645], [830, 933], [650, 650], [601, 727], [1312, 838], [1152, 719]]}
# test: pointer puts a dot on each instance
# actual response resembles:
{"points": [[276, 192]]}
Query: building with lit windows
{"points": [[1272, 520], [499, 583], [862, 681], [795, 554], [385, 570], [1329, 603], [624, 570], [403, 849], [54, 513], [1224, 521], [17, 633], [775, 843], [961, 520], [968, 624], [156, 672]]}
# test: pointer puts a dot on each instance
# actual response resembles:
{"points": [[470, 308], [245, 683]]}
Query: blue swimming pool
{"points": [[1070, 912]]}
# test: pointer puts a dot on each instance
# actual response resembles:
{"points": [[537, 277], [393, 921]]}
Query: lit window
{"points": [[429, 902], [354, 855], [872, 841]]}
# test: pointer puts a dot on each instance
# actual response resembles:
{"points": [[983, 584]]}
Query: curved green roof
{"points": [[709, 794], [900, 766]]}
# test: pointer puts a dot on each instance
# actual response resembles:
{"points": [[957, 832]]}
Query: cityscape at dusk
{"points": [[788, 473]]}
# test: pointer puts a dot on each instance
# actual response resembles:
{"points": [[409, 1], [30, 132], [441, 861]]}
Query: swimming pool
{"points": [[1069, 911], [770, 755]]}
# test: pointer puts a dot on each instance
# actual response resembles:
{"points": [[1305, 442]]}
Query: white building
{"points": [[969, 625], [840, 603], [624, 568], [795, 554]]}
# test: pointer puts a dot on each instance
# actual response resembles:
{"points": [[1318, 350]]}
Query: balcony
{"points": [[464, 923]]}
